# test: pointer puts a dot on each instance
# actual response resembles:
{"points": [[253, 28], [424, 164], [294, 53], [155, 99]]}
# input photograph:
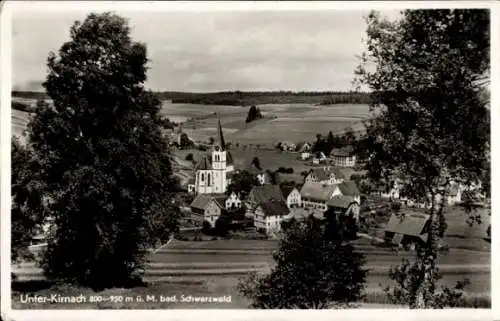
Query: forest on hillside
{"points": [[240, 98]]}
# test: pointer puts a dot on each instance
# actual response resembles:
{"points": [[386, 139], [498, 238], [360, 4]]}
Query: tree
{"points": [[242, 182], [28, 208], [256, 163], [189, 157], [431, 125], [253, 114], [104, 161], [211, 140], [184, 141], [315, 269]]}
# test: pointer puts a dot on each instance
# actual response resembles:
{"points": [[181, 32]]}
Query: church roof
{"points": [[205, 163]]}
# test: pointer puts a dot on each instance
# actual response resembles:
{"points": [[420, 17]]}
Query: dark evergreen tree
{"points": [[105, 163]]}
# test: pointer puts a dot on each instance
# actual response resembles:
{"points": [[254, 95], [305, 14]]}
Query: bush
{"points": [[189, 157], [284, 170]]}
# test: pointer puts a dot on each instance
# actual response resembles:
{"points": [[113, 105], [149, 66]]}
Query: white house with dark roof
{"points": [[233, 201], [325, 175], [269, 215], [316, 195], [347, 206], [212, 171], [291, 195], [206, 207]]}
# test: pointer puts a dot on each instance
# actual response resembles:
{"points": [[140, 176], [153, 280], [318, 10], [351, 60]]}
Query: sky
{"points": [[214, 51]]}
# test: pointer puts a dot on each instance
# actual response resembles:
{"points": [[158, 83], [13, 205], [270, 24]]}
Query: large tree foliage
{"points": [[27, 211], [315, 269], [242, 183], [431, 125], [105, 163]]}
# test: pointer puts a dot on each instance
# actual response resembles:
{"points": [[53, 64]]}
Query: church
{"points": [[214, 170]]}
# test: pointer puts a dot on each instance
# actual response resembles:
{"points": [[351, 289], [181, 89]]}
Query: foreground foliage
{"points": [[315, 269], [432, 124], [105, 163]]}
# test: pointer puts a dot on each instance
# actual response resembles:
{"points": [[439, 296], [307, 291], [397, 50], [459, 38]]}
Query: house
{"points": [[303, 147], [291, 195], [349, 188], [288, 146], [346, 209], [344, 157], [191, 185], [262, 194], [207, 207], [407, 229], [319, 157], [454, 194], [325, 175], [260, 174], [269, 215], [316, 195], [233, 202], [212, 170], [305, 155]]}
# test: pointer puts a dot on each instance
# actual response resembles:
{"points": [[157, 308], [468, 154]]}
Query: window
{"points": [[208, 179], [202, 177]]}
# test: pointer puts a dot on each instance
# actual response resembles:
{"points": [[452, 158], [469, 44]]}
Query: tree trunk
{"points": [[426, 259]]}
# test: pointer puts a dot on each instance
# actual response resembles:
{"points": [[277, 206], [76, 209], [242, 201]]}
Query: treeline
{"points": [[240, 98]]}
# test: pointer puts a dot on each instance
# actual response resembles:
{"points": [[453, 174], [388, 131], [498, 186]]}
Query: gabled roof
{"points": [[341, 201], [349, 188], [274, 208], [409, 223], [205, 163], [344, 151], [202, 200], [264, 193], [317, 191], [323, 173], [286, 190]]}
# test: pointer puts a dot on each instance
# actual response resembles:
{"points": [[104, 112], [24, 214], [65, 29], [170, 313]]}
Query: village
{"points": [[332, 184]]}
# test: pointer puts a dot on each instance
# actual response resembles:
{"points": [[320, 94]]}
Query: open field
{"points": [[213, 268], [282, 122]]}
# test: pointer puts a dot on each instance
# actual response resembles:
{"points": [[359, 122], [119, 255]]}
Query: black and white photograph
{"points": [[250, 158]]}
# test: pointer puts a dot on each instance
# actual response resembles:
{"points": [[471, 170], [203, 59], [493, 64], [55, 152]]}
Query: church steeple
{"points": [[220, 136]]}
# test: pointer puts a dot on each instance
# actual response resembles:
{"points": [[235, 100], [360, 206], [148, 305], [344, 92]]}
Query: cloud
{"points": [[212, 51]]}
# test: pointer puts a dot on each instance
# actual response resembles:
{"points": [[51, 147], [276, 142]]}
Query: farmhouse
{"points": [[346, 206], [319, 158], [325, 175], [407, 229], [344, 157], [346, 209], [191, 185], [269, 215], [233, 202], [316, 195], [212, 172], [305, 155], [291, 195], [262, 194], [303, 147], [260, 174], [207, 207]]}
